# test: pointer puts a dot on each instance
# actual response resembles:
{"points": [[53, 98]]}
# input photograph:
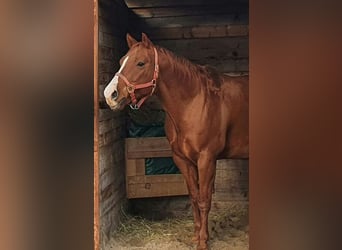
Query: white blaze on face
{"points": [[112, 86]]}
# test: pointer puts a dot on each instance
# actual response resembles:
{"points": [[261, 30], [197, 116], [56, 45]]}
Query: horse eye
{"points": [[140, 64]]}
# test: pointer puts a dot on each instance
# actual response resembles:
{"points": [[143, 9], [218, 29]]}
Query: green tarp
{"points": [[153, 166]]}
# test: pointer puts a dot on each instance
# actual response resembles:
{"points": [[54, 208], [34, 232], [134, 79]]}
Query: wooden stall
{"points": [[206, 32], [140, 185]]}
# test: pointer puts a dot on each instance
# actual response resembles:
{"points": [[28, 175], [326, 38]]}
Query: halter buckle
{"points": [[130, 89]]}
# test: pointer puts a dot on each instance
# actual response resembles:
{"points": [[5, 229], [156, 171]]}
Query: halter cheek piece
{"points": [[132, 87]]}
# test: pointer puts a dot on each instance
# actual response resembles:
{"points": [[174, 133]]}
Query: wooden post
{"points": [[96, 133]]}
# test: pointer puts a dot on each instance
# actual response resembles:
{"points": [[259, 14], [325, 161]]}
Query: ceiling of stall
{"points": [[178, 19], [186, 13], [181, 26]]}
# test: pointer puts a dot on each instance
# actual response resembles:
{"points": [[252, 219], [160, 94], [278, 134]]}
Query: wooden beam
{"points": [[190, 10], [156, 186], [96, 132], [228, 30], [147, 147], [162, 178], [168, 3], [208, 49], [188, 21]]}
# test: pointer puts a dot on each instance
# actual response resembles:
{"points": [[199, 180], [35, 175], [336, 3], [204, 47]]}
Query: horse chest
{"points": [[189, 139]]}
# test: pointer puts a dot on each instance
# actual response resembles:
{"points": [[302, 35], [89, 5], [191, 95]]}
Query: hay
{"points": [[136, 230]]}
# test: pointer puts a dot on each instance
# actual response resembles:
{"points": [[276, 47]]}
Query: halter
{"points": [[132, 87]]}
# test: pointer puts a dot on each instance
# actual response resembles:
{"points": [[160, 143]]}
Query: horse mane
{"points": [[205, 74]]}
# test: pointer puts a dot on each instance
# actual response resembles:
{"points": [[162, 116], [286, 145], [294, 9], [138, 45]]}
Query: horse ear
{"points": [[146, 41], [130, 40]]}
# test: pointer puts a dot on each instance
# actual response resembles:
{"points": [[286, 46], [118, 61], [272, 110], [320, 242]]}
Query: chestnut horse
{"points": [[207, 115]]}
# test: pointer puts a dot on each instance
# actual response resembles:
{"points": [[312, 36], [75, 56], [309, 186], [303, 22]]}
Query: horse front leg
{"points": [[190, 174], [206, 172]]}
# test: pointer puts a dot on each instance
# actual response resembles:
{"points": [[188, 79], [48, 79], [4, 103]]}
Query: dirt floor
{"points": [[228, 231]]}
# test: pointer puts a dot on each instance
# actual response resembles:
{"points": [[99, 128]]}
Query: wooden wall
{"points": [[113, 26], [231, 183]]}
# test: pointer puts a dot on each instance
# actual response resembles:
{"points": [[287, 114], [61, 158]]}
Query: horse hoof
{"points": [[202, 245]]}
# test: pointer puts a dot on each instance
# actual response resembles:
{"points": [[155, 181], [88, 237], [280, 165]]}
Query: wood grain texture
{"points": [[227, 54], [175, 11], [113, 24], [208, 31], [231, 182], [168, 3], [156, 186], [147, 147], [96, 133], [188, 21]]}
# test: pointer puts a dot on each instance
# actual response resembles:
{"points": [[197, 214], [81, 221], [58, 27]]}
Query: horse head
{"points": [[136, 79]]}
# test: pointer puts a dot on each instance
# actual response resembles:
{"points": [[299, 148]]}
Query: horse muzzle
{"points": [[117, 104]]}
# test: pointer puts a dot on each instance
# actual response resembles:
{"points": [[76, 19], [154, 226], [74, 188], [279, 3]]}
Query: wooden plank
{"points": [[195, 47], [162, 178], [107, 67], [205, 54], [231, 182], [150, 154], [131, 167], [108, 125], [107, 53], [147, 147], [168, 3], [175, 11], [156, 189], [186, 21], [226, 30], [227, 54], [140, 167], [105, 114]]}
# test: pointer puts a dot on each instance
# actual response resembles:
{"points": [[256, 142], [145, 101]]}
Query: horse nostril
{"points": [[114, 94]]}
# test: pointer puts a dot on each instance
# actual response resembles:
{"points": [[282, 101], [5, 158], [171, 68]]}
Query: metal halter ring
{"points": [[134, 106]]}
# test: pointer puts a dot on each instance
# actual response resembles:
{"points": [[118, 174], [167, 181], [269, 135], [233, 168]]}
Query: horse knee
{"points": [[194, 200], [204, 205]]}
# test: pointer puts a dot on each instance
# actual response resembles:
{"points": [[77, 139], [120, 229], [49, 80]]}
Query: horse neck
{"points": [[178, 83]]}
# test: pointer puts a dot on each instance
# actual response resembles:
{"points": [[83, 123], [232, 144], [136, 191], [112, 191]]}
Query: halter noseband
{"points": [[132, 87]]}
